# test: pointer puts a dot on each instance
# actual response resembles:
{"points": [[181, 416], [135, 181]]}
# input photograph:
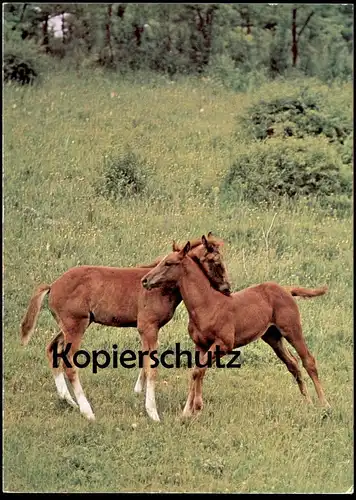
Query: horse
{"points": [[113, 297], [221, 323]]}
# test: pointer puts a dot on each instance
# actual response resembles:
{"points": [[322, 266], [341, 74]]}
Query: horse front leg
{"points": [[149, 342]]}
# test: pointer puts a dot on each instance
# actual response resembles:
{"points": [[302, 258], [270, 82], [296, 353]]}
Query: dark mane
{"points": [[199, 264], [195, 243]]}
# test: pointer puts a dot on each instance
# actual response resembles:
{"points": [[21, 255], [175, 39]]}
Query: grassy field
{"points": [[255, 433]]}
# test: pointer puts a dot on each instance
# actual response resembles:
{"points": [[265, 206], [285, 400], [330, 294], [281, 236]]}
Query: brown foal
{"points": [[114, 297], [266, 310]]}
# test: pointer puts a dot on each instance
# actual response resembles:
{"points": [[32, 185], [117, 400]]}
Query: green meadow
{"points": [[255, 433]]}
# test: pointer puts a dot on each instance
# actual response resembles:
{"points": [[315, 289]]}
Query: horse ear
{"points": [[216, 241], [204, 241], [175, 247], [186, 248]]}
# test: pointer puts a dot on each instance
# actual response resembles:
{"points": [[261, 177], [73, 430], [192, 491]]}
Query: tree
{"points": [[313, 39]]}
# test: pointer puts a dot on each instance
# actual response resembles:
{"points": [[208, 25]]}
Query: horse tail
{"points": [[305, 293], [29, 320]]}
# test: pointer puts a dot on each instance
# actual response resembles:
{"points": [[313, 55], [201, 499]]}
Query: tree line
{"points": [[315, 39]]}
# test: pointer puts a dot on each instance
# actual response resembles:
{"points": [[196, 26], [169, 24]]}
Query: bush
{"points": [[288, 168], [124, 175], [302, 110], [18, 70], [223, 71], [298, 115], [24, 63]]}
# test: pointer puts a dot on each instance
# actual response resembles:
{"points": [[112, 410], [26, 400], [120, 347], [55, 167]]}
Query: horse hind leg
{"points": [[274, 339], [73, 331], [56, 344], [294, 335], [140, 382]]}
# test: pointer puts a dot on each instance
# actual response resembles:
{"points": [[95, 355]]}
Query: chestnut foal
{"points": [[266, 310], [113, 297]]}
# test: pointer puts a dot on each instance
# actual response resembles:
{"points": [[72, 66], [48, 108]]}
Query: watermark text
{"points": [[100, 359]]}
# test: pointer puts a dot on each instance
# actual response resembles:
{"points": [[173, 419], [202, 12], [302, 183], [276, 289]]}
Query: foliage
{"points": [[124, 175], [288, 168], [188, 38], [24, 61], [223, 71], [17, 69], [301, 113], [21, 61]]}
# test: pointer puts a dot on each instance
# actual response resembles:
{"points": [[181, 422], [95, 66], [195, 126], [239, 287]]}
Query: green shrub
{"points": [[223, 71], [302, 110], [24, 63], [18, 70], [289, 168], [124, 175], [298, 115]]}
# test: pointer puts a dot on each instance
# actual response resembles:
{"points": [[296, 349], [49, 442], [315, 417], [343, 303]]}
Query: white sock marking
{"points": [[187, 412], [151, 407], [85, 407], [83, 403], [140, 382], [63, 389]]}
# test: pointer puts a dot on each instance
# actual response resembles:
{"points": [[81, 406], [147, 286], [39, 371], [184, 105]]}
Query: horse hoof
{"points": [[89, 416], [153, 415]]}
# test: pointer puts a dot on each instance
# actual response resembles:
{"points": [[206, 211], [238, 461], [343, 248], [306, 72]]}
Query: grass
{"points": [[255, 433]]}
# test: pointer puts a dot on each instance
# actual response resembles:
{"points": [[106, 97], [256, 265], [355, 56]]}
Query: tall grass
{"points": [[255, 434]]}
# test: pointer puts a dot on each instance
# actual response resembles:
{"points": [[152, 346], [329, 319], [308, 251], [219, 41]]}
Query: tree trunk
{"points": [[24, 32], [248, 24], [108, 32], [121, 11], [294, 38], [87, 34], [23, 12], [45, 40], [138, 33], [208, 34], [204, 25], [63, 29]]}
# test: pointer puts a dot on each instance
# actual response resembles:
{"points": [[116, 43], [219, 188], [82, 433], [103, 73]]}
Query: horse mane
{"points": [[196, 261], [213, 240]]}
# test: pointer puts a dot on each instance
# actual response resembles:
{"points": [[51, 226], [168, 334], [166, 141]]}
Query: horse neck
{"points": [[195, 288]]}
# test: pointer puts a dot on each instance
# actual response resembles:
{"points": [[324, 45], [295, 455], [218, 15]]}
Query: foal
{"points": [[266, 310], [113, 297]]}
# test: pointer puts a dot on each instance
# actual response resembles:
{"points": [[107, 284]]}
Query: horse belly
{"points": [[251, 328], [118, 320], [121, 313]]}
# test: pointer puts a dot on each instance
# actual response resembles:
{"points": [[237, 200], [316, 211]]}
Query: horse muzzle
{"points": [[225, 289]]}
